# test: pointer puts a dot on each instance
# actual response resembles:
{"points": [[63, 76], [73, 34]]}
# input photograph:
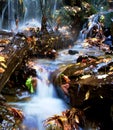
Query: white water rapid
{"points": [[26, 11], [44, 104]]}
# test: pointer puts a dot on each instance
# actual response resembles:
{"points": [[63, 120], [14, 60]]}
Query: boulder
{"points": [[73, 52], [90, 88]]}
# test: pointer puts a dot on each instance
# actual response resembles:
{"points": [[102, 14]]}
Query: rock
{"points": [[80, 58], [90, 87], [86, 58], [10, 117], [1, 119], [52, 54], [111, 47], [109, 52], [73, 52], [6, 33], [2, 98]]}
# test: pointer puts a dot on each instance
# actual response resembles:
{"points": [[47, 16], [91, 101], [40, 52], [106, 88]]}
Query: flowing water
{"points": [[44, 104], [26, 11]]}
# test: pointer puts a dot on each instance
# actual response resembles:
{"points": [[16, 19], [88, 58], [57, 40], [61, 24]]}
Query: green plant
{"points": [[108, 21]]}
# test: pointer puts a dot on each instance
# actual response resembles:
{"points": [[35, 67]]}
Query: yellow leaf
{"points": [[63, 118], [3, 65], [87, 95], [2, 58], [111, 68], [85, 76]]}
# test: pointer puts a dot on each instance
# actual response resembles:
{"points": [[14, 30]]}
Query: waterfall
{"points": [[44, 104], [28, 11], [3, 13], [32, 10], [55, 7], [93, 20], [11, 15]]}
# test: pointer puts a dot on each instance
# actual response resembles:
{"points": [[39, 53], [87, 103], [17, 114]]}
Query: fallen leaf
{"points": [[2, 70], [85, 76]]}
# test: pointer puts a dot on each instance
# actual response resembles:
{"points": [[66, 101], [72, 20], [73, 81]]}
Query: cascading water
{"points": [[87, 28], [43, 105], [32, 10], [27, 11], [93, 21], [81, 44], [3, 13], [55, 7], [11, 19]]}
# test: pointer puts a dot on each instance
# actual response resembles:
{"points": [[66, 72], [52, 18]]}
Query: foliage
{"points": [[102, 19], [29, 84], [72, 13], [99, 4], [92, 10], [66, 14], [108, 21], [72, 2], [70, 119]]}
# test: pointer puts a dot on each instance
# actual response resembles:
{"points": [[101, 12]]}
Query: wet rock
{"points": [[9, 117], [1, 119], [72, 52], [85, 58], [109, 52], [18, 79], [90, 87], [52, 54], [2, 98], [111, 47], [98, 42], [6, 33]]}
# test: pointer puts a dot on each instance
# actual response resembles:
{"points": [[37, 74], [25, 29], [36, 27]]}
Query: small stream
{"points": [[46, 103]]}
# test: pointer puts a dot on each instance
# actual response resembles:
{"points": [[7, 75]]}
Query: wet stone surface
{"points": [[9, 117], [88, 85]]}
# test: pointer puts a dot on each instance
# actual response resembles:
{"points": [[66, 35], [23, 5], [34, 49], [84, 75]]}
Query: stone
{"points": [[72, 52]]}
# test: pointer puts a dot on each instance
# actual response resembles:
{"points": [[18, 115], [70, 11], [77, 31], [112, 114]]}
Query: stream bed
{"points": [[45, 102]]}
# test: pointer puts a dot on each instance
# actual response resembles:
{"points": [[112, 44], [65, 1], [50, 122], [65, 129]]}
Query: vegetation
{"points": [[69, 120], [74, 12], [108, 19], [82, 83]]}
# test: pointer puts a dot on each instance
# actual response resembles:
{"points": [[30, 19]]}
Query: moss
{"points": [[108, 21]]}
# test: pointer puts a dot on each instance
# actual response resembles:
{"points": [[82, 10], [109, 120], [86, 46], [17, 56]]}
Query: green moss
{"points": [[71, 14], [108, 21]]}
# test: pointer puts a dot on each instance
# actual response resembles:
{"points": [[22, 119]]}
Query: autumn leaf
{"points": [[3, 65], [2, 70]]}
